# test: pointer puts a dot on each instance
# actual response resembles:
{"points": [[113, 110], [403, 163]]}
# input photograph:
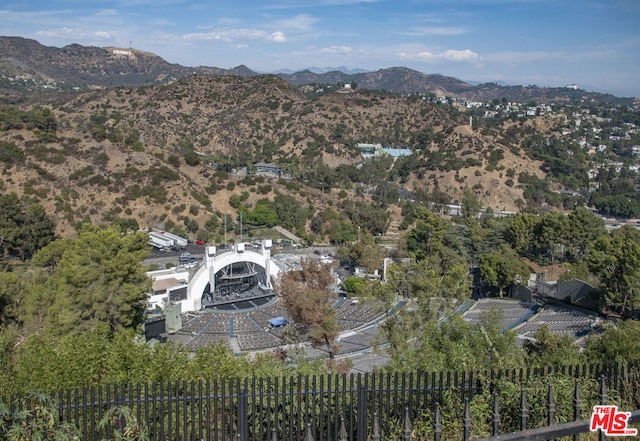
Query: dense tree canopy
{"points": [[615, 259], [24, 226], [365, 253], [427, 236], [96, 278], [501, 269]]}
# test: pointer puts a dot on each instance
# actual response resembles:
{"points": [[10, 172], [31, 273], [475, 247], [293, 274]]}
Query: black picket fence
{"points": [[345, 407]]}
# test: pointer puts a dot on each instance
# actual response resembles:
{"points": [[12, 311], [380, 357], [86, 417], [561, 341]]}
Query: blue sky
{"points": [[592, 43]]}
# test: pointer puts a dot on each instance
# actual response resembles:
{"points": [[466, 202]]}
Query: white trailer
{"points": [[160, 241], [177, 240]]}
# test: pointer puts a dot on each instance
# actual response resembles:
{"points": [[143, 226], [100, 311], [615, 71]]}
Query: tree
{"points": [[503, 268], [291, 214], [308, 296], [364, 252], [341, 231], [263, 214], [355, 286], [191, 158], [584, 229], [551, 238], [549, 349], [10, 287], [619, 342], [427, 236], [433, 288], [470, 204], [456, 345], [615, 260], [98, 278], [521, 233], [24, 226]]}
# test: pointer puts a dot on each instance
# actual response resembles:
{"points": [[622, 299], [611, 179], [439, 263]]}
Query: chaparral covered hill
{"points": [[178, 151]]}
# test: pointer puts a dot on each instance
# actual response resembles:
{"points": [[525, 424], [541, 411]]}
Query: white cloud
{"points": [[336, 50], [87, 36], [302, 22], [448, 55], [463, 55], [278, 37], [232, 35]]}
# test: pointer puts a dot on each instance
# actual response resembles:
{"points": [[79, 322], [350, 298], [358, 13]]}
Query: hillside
{"points": [[124, 152], [27, 67]]}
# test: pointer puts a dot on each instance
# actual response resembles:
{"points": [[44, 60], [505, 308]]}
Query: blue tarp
{"points": [[278, 321]]}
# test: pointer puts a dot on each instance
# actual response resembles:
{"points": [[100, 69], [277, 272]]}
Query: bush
{"points": [[191, 158], [174, 161], [234, 200], [10, 152], [38, 421]]}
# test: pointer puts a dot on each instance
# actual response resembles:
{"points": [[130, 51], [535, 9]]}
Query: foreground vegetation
{"points": [[72, 316]]}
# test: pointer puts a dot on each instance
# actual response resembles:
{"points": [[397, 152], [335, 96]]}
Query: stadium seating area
{"points": [[249, 325], [248, 329], [559, 320], [526, 317], [513, 311]]}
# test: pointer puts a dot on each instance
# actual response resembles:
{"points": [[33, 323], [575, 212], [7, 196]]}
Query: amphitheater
{"points": [[229, 298], [525, 318], [251, 329]]}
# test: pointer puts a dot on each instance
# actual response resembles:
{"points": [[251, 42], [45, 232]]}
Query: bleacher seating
{"points": [[559, 320], [512, 310]]}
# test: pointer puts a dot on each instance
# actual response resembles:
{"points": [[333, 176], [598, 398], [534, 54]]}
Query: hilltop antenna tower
{"points": [[130, 42]]}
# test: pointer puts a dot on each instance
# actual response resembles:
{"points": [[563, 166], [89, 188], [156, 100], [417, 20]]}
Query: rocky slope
{"points": [[123, 153]]}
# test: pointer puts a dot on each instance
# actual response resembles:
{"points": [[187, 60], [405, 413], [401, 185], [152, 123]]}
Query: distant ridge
{"points": [[83, 67], [323, 70]]}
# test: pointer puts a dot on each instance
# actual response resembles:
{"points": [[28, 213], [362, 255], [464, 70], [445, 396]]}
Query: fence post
{"points": [[467, 420], [552, 406], [343, 430], [603, 400], [309, 436], [437, 423], [242, 415], [603, 390], [407, 425], [496, 414], [362, 412], [376, 428], [524, 410], [577, 406]]}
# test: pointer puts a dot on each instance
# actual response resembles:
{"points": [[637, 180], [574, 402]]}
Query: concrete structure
{"points": [[221, 273]]}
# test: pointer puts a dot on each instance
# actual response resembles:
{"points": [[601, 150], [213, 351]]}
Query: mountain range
{"points": [[26, 66]]}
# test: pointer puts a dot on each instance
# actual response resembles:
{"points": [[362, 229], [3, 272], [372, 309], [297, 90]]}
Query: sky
{"points": [[594, 44]]}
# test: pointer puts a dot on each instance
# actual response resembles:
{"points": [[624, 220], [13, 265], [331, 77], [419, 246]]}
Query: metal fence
{"points": [[336, 407]]}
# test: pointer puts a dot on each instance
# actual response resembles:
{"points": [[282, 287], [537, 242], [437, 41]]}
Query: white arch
{"points": [[214, 262]]}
